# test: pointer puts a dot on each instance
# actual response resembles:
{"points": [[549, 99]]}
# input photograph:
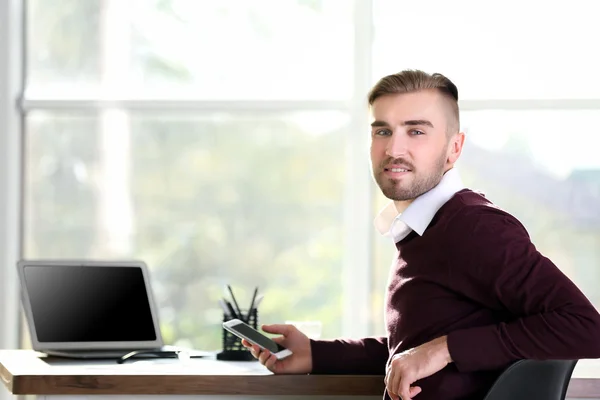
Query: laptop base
{"points": [[123, 355], [95, 354]]}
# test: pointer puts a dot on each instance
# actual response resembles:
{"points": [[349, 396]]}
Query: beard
{"points": [[422, 182]]}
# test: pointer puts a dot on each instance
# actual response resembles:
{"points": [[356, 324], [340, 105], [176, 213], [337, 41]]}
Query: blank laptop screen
{"points": [[89, 304]]}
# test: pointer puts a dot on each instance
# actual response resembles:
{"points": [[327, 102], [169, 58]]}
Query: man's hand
{"points": [[300, 362], [414, 364]]}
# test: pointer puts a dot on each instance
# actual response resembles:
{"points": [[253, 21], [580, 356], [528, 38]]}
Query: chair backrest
{"points": [[533, 380]]}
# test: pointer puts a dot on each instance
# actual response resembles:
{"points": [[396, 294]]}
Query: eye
{"points": [[416, 132], [383, 132]]}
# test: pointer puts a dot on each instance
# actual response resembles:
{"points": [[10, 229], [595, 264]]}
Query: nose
{"points": [[396, 146]]}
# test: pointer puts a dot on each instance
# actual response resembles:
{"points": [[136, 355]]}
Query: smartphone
{"points": [[245, 331]]}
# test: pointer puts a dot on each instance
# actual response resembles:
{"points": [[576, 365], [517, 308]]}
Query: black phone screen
{"points": [[259, 338]]}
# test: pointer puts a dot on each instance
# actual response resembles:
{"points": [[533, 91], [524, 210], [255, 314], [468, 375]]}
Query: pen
{"points": [[250, 309], [230, 309], [237, 307], [225, 308], [258, 300]]}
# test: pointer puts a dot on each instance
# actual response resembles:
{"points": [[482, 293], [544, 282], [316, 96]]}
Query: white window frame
{"points": [[11, 82]]}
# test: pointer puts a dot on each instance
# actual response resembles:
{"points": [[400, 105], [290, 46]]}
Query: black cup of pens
{"points": [[233, 349]]}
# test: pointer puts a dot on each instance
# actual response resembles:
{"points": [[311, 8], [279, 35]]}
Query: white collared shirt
{"points": [[420, 212]]}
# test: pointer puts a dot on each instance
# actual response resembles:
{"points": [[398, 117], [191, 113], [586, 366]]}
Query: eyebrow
{"points": [[412, 122]]}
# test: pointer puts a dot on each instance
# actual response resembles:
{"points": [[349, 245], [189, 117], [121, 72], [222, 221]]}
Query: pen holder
{"points": [[233, 349]]}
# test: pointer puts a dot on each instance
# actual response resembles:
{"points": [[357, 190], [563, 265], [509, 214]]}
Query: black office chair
{"points": [[533, 380]]}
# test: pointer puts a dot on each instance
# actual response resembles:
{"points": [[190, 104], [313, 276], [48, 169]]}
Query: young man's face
{"points": [[410, 147]]}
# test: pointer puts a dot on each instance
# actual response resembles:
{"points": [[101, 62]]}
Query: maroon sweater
{"points": [[475, 276]]}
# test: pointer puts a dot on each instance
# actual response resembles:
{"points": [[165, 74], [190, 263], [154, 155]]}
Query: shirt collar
{"points": [[420, 212]]}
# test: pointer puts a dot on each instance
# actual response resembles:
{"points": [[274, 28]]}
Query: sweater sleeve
{"points": [[548, 317], [366, 356]]}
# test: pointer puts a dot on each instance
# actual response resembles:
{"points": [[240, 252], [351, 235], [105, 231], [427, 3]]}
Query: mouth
{"points": [[396, 169]]}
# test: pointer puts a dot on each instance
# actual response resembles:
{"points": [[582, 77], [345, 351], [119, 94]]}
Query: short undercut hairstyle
{"points": [[409, 81]]}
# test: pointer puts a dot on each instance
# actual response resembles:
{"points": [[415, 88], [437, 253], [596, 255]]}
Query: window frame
{"points": [[11, 151]]}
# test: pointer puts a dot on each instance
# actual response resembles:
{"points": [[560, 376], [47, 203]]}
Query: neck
{"points": [[402, 205]]}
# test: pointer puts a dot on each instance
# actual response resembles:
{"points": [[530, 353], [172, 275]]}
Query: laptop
{"points": [[91, 309]]}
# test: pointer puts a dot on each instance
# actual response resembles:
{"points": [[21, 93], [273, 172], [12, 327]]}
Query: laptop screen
{"points": [[89, 304]]}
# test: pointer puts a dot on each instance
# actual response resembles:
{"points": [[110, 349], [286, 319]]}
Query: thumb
{"points": [[414, 390], [281, 329]]}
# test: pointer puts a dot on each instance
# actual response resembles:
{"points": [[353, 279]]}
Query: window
{"points": [[503, 50], [191, 49], [207, 139], [226, 142]]}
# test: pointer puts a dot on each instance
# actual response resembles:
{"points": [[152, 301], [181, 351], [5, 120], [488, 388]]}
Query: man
{"points": [[468, 293]]}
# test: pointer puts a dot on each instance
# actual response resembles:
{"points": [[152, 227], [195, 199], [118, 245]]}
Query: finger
{"points": [[393, 396], [264, 356], [404, 390], [388, 377], [270, 364], [391, 385], [278, 339], [255, 350], [415, 390], [282, 329]]}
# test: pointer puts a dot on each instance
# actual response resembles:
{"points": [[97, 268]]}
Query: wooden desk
{"points": [[29, 372]]}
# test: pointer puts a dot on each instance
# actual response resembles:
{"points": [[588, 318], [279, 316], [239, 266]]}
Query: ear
{"points": [[455, 146]]}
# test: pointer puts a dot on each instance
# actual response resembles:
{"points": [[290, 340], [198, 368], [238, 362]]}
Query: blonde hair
{"points": [[409, 81]]}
